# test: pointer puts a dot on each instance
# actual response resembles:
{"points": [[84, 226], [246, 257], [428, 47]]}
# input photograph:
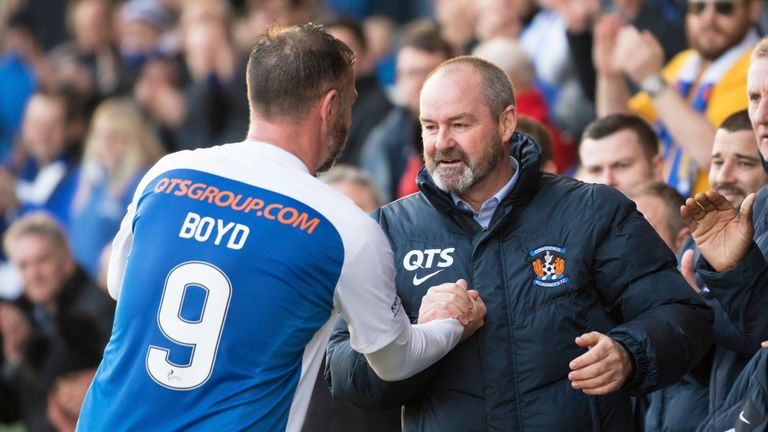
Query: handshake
{"points": [[454, 300]]}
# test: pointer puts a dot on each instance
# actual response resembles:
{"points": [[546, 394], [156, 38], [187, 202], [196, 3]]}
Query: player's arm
{"points": [[121, 245], [449, 313], [351, 377], [378, 326]]}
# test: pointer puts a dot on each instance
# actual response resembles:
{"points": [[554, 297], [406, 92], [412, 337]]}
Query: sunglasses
{"points": [[722, 7]]}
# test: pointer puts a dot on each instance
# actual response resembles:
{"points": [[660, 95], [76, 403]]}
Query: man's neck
{"points": [[293, 136]]}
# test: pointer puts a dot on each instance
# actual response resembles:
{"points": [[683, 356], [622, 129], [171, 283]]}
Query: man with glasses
{"points": [[695, 91]]}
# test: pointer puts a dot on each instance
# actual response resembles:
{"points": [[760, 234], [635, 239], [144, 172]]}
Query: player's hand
{"points": [[601, 370], [722, 234], [477, 317], [448, 300]]}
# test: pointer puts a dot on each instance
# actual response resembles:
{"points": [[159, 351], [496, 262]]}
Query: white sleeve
{"points": [[418, 346], [121, 247], [365, 294], [378, 325]]}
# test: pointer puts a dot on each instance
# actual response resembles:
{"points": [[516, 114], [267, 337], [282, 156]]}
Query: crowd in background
{"points": [[647, 96]]}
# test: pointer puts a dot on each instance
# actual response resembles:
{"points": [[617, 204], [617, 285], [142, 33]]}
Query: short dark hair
{"points": [[289, 68], [425, 36], [354, 26], [669, 196], [498, 93], [538, 131], [737, 122], [610, 124]]}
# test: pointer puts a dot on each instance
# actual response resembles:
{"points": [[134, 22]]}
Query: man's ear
{"points": [[508, 122], [329, 104], [657, 164]]}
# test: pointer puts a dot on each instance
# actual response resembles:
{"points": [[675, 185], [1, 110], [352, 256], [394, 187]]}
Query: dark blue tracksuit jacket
{"points": [[560, 258]]}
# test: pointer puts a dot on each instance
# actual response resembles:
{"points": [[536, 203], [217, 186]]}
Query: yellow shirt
{"points": [[728, 96]]}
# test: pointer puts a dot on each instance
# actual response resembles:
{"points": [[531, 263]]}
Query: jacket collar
{"points": [[527, 153]]}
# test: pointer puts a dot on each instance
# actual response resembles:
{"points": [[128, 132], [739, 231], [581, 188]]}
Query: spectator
{"points": [[550, 257], [90, 63], [735, 171], [510, 57], [660, 204], [660, 17], [372, 105], [68, 369], [142, 24], [22, 68], [689, 96], [393, 148], [543, 38], [262, 13], [56, 291], [46, 175], [160, 93], [539, 132], [502, 18], [456, 21], [621, 151], [355, 184], [683, 405], [215, 105], [380, 33], [120, 147]]}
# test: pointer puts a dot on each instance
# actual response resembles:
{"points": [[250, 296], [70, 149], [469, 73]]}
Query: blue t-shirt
{"points": [[227, 270]]}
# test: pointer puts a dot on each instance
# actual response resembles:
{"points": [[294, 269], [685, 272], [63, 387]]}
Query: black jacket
{"points": [[740, 296], [746, 406], [559, 258]]}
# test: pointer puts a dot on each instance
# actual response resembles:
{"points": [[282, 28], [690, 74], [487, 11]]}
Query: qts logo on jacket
{"points": [[549, 266], [422, 262]]}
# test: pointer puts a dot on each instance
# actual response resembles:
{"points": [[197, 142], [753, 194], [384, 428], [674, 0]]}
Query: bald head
{"points": [[498, 93]]}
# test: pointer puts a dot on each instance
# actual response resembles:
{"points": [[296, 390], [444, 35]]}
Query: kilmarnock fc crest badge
{"points": [[549, 266]]}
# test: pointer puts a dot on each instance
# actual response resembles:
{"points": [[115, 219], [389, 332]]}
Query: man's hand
{"points": [[606, 33], [578, 14], [603, 369], [8, 198], [687, 269], [638, 54], [453, 300], [477, 317], [722, 234], [15, 330], [448, 300]]}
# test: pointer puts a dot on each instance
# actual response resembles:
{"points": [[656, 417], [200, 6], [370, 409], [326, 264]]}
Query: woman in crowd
{"points": [[119, 148]]}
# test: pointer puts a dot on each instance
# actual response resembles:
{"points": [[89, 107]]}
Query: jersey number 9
{"points": [[202, 335]]}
